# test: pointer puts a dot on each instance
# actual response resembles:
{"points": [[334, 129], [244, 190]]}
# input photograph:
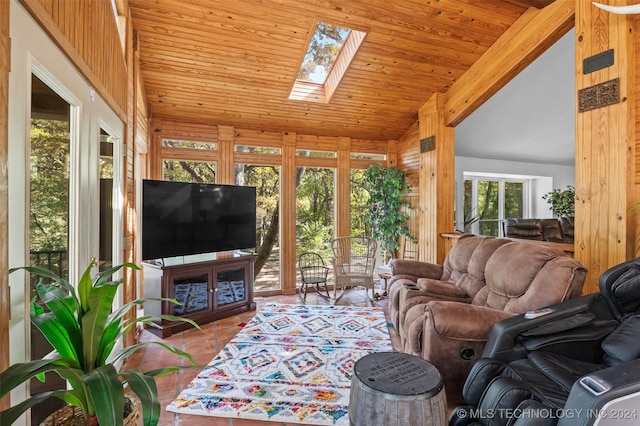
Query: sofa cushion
{"points": [[551, 230], [530, 229], [511, 272], [566, 223]]}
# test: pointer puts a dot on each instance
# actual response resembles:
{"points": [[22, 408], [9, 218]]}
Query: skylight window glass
{"points": [[323, 50]]}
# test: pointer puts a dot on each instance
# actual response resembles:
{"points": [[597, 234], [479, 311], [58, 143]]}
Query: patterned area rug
{"points": [[290, 363]]}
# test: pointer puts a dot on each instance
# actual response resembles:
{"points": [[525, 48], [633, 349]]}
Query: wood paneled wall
{"points": [[5, 65], [409, 155], [131, 129], [605, 144], [86, 31], [437, 181]]}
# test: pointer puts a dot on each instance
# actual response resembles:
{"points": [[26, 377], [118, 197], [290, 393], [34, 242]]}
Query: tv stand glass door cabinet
{"points": [[208, 287]]}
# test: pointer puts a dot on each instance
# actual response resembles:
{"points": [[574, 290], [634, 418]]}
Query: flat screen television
{"points": [[180, 219]]}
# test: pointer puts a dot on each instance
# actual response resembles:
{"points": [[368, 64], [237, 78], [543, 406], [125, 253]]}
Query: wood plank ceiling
{"points": [[234, 62]]}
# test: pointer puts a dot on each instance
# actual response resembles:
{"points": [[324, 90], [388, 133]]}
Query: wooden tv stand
{"points": [[210, 287]]}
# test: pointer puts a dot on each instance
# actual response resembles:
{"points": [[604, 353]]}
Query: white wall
{"points": [[549, 176]]}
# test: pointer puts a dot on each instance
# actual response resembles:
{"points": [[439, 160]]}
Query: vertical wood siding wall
{"points": [[87, 33], [605, 145], [5, 61]]}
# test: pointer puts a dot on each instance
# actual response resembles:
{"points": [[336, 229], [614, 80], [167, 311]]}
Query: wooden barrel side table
{"points": [[393, 388]]}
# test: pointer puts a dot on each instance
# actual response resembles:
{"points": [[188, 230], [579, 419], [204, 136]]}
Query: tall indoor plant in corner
{"points": [[83, 329], [386, 187]]}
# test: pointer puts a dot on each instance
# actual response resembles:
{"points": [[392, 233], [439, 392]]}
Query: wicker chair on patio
{"points": [[313, 271], [354, 261]]}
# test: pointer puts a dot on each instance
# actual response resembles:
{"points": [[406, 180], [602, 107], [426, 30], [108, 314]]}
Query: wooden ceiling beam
{"points": [[532, 34]]}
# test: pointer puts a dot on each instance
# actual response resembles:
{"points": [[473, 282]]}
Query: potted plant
{"points": [[386, 213], [562, 201], [83, 329]]}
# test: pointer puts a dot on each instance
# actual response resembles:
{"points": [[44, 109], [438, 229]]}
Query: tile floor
{"points": [[204, 346]]}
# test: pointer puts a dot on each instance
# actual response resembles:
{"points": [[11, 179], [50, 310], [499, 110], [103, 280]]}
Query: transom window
{"points": [[315, 153], [174, 143], [267, 150], [367, 156]]}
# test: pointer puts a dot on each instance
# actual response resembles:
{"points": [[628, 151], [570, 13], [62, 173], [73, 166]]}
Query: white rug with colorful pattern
{"points": [[290, 364]]}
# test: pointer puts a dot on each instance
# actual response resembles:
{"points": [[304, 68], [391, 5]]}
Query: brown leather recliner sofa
{"points": [[554, 230], [447, 318]]}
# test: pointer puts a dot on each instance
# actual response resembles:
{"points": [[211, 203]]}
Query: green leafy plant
{"points": [[386, 213], [83, 329], [562, 201]]}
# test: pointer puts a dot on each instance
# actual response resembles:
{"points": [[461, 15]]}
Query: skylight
{"points": [[322, 52], [330, 51]]}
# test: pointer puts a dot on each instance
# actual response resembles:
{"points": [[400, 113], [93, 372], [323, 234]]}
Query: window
{"points": [[329, 53], [266, 180], [172, 143], [49, 183], [315, 201], [315, 153], [488, 200], [367, 156], [322, 52], [250, 149], [189, 171], [359, 203]]}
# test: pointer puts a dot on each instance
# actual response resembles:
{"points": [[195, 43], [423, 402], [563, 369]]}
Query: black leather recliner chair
{"points": [[575, 363]]}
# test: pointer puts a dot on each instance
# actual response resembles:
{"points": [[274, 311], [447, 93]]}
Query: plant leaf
{"points": [[105, 276], [123, 353], [10, 415], [23, 371], [57, 335], [147, 318], [44, 272], [85, 285], [107, 395], [145, 388], [65, 310], [112, 331], [94, 322]]}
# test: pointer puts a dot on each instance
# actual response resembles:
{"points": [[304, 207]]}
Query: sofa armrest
{"points": [[463, 321], [441, 290], [416, 268]]}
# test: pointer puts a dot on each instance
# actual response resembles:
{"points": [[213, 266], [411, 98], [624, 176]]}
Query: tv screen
{"points": [[180, 219]]}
